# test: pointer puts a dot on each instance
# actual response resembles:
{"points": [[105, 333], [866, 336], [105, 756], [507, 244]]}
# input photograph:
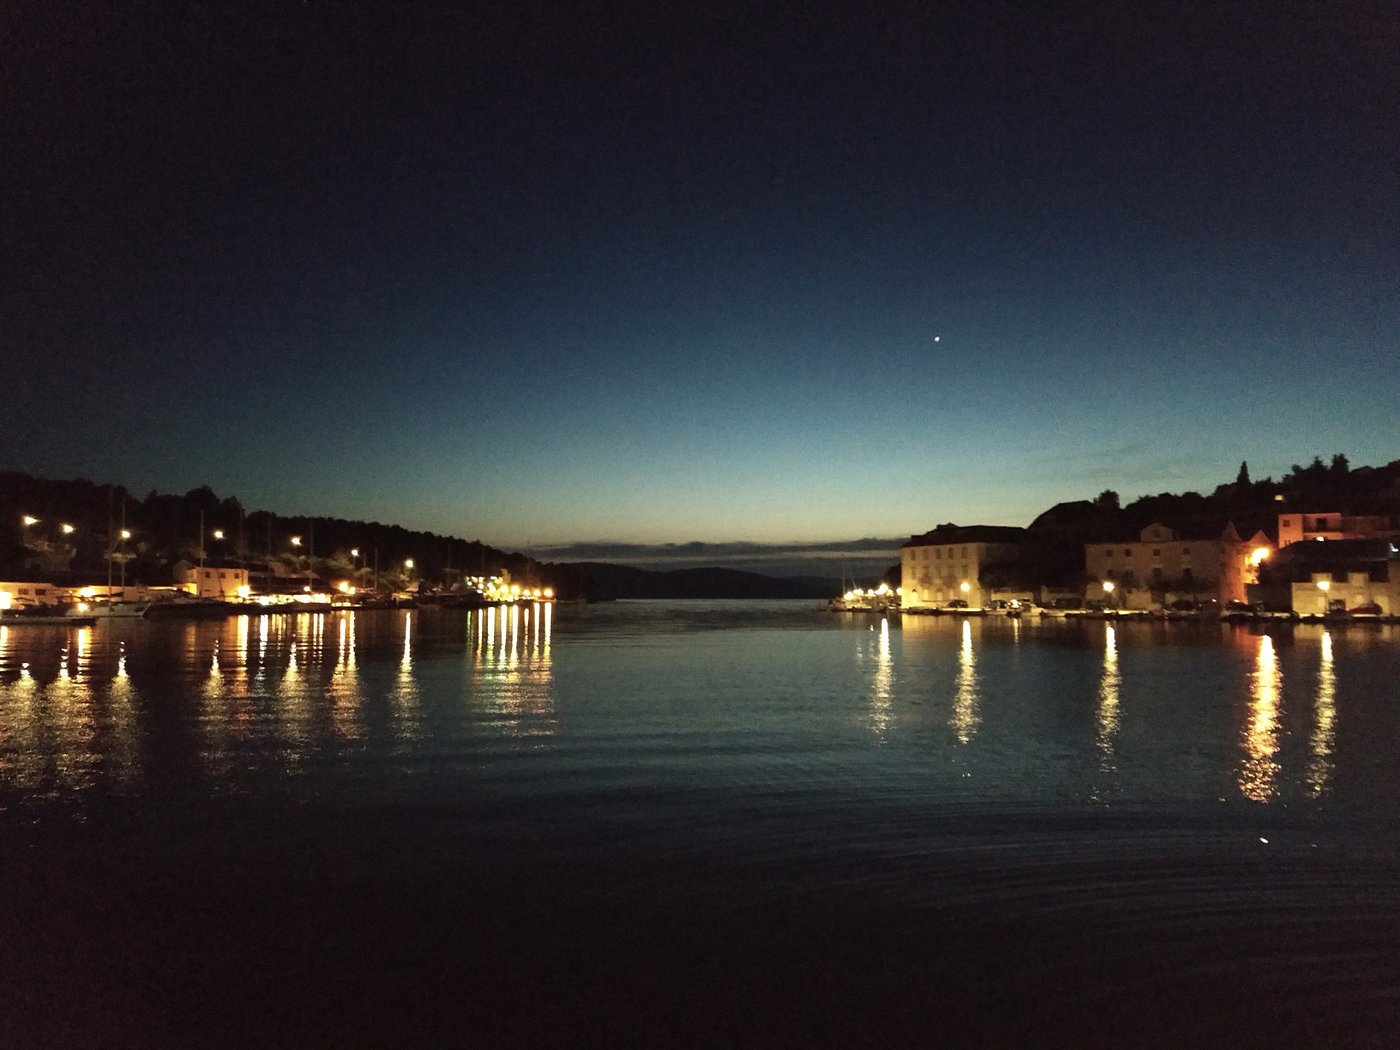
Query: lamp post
{"points": [[1108, 592]]}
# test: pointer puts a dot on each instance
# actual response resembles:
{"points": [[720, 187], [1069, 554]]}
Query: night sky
{"points": [[654, 273]]}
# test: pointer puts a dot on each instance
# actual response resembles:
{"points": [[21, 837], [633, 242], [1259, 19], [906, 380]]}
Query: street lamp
{"points": [[408, 564], [125, 535], [1108, 592], [218, 534], [67, 529], [28, 520]]}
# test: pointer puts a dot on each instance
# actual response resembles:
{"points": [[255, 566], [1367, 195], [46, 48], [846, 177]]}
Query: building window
{"points": [[1157, 573], [1127, 553], [1186, 573], [1156, 552]]}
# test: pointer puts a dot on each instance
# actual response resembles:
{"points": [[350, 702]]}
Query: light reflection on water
{"points": [[965, 717], [1108, 716], [1323, 737], [881, 683], [512, 685], [1092, 711], [1260, 769]]}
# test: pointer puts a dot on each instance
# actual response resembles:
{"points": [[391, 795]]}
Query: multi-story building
{"points": [[222, 580], [953, 563], [1376, 592], [1333, 525], [1164, 562]]}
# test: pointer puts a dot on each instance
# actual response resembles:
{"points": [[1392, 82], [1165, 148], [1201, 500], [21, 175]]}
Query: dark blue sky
{"points": [[748, 272]]}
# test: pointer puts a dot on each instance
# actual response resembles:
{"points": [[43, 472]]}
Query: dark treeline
{"points": [[165, 529], [1053, 545]]}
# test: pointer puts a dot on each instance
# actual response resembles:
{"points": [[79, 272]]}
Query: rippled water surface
{"points": [[747, 823]]}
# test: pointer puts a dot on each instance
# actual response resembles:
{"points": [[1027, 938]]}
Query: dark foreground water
{"points": [[722, 824]]}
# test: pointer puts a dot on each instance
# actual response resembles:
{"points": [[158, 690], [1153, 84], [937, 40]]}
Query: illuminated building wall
{"points": [[1160, 560], [1332, 525], [934, 572]]}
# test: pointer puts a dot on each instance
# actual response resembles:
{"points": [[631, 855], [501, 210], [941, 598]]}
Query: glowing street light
{"points": [[1257, 555], [126, 534], [965, 587], [296, 541], [67, 529], [1324, 585], [28, 520], [408, 563], [218, 534]]}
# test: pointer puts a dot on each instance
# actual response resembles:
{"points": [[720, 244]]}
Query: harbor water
{"points": [[704, 823]]}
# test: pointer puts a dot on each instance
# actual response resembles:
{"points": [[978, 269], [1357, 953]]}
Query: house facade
{"points": [[1333, 525], [22, 593], [225, 581], [1329, 592], [1136, 575], [953, 563]]}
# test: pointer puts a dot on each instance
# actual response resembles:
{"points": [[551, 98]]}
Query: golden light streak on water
{"points": [[344, 690], [215, 723], [65, 713], [1259, 772], [21, 762], [1323, 739], [241, 631], [404, 695], [513, 657], [121, 711], [881, 693], [509, 648], [1108, 714], [965, 718]]}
